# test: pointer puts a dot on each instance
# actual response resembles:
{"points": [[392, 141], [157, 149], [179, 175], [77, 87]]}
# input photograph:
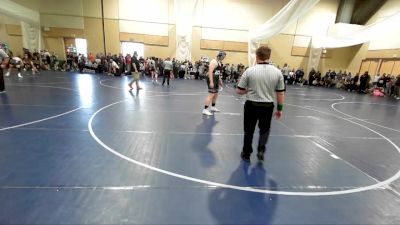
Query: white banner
{"points": [[31, 36], [30, 23], [345, 35], [184, 14], [280, 21]]}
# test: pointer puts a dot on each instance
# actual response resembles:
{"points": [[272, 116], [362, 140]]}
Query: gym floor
{"points": [[82, 149]]}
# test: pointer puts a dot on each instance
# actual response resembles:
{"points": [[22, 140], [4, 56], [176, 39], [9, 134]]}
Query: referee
{"points": [[261, 83]]}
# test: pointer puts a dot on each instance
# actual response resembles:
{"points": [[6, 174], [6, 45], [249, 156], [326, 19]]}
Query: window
{"points": [[130, 47]]}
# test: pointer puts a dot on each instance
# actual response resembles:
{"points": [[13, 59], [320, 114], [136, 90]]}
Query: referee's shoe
{"points": [[245, 158]]}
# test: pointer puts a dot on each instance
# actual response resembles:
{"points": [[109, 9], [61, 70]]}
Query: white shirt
{"points": [[286, 70], [262, 82], [168, 65], [152, 63], [114, 65]]}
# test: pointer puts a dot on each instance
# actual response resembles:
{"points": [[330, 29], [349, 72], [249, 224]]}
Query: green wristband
{"points": [[280, 107]]}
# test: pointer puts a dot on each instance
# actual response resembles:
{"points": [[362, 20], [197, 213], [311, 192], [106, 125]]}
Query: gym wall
{"points": [[384, 46], [10, 33], [221, 24]]}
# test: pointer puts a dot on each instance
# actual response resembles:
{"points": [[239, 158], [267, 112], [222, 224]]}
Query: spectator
{"points": [[311, 77], [363, 82], [397, 87], [114, 68], [135, 72], [376, 80], [285, 72], [299, 75]]}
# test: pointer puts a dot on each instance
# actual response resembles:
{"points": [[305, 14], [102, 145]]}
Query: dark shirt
{"points": [[364, 78], [299, 73], [332, 75], [356, 79], [135, 62]]}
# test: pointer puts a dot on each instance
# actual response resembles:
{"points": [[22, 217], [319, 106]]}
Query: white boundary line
{"points": [[250, 189], [105, 85], [44, 86], [44, 106], [328, 99], [138, 187], [39, 83], [48, 118], [364, 120], [41, 120], [331, 154]]}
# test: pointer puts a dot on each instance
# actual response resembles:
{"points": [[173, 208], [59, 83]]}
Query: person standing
{"points": [[233, 73], [160, 66], [3, 63], [135, 72], [299, 75], [128, 61], [152, 68], [213, 82], [261, 84], [167, 70], [397, 88], [363, 82], [355, 81], [285, 71], [311, 77], [227, 72], [376, 80]]}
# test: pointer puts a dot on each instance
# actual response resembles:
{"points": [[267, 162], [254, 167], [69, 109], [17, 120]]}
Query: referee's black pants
{"points": [[2, 86], [166, 75], [254, 112]]}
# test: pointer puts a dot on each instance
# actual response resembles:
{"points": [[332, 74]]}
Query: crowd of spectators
{"points": [[119, 65], [378, 85]]}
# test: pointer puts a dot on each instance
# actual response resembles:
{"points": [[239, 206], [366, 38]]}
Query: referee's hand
{"points": [[278, 115]]}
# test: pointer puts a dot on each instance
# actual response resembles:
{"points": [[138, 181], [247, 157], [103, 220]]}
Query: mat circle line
{"points": [[249, 189], [44, 119]]}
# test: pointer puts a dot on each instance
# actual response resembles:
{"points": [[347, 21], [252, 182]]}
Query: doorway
{"points": [[81, 46]]}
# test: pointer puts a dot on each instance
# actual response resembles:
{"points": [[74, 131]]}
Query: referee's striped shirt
{"points": [[262, 82]]}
